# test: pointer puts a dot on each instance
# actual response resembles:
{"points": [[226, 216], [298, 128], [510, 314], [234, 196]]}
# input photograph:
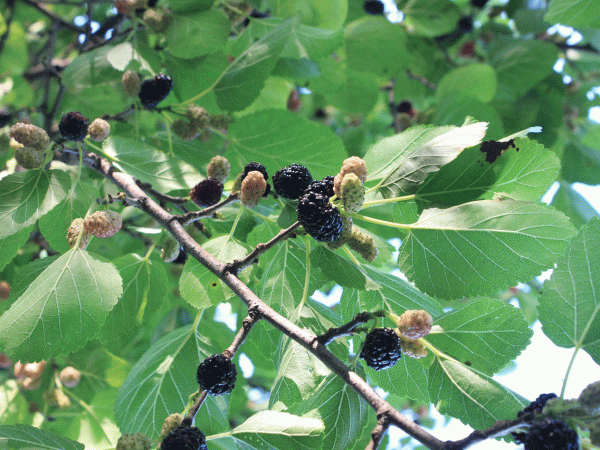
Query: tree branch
{"points": [[333, 333], [127, 184], [378, 433], [236, 266], [192, 216]]}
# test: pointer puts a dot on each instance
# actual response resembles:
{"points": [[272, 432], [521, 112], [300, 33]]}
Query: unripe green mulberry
{"points": [[354, 165], [590, 397], [30, 136], [158, 19], [345, 234], [220, 121], [198, 116], [218, 168], [252, 189], [171, 422], [184, 129], [414, 348], [132, 83], [353, 192], [30, 158], [75, 229], [136, 441], [170, 249], [364, 245], [103, 223], [99, 129]]}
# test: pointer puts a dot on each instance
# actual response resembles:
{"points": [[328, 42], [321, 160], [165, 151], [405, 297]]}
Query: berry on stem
{"points": [[29, 157], [103, 223], [353, 193], [324, 186], [590, 397], [99, 129], [70, 377], [537, 405], [374, 7], [319, 218], [155, 90], [344, 235], [207, 193], [216, 374], [415, 323], [185, 129], [184, 438], [381, 349], [30, 136], [218, 168], [75, 229], [135, 441], [131, 83], [198, 116], [73, 126], [551, 435], [364, 245], [171, 422], [291, 181], [252, 189], [413, 348]]}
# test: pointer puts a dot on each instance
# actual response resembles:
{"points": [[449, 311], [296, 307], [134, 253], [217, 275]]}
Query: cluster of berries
{"points": [[383, 347], [198, 120], [74, 126], [29, 375], [100, 224], [151, 91], [69, 377], [29, 144], [546, 434]]}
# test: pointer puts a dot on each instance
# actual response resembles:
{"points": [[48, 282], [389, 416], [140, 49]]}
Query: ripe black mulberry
{"points": [[319, 218], [291, 181], [216, 374], [382, 349]]}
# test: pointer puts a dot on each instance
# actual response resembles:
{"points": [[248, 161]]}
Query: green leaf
{"points": [[471, 396], [144, 288], [574, 205], [395, 294], [580, 13], [344, 88], [195, 34], [122, 55], [199, 286], [338, 269], [10, 245], [482, 246], [430, 17], [317, 13], [245, 77], [402, 162], [482, 82], [62, 309], [55, 224], [485, 335], [298, 374], [26, 196], [14, 53], [188, 6], [521, 65], [287, 277], [340, 408], [374, 44], [278, 138], [273, 430], [524, 171], [305, 41], [570, 307], [408, 378], [580, 164], [26, 437], [147, 164], [160, 383], [28, 273]]}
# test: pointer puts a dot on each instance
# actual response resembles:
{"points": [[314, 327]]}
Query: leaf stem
{"points": [[386, 223], [383, 201], [564, 385]]}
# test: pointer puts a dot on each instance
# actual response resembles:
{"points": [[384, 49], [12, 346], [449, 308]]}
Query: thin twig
{"points": [[192, 216], [333, 333], [378, 433], [421, 79], [54, 17], [163, 198], [237, 265], [247, 324]]}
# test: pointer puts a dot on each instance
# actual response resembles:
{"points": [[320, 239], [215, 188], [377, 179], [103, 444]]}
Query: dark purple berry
{"points": [[255, 166], [216, 374], [537, 405], [404, 107], [551, 435], [291, 181], [382, 348], [374, 7], [319, 218], [324, 186], [155, 90], [73, 126], [184, 438], [207, 192], [465, 24]]}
